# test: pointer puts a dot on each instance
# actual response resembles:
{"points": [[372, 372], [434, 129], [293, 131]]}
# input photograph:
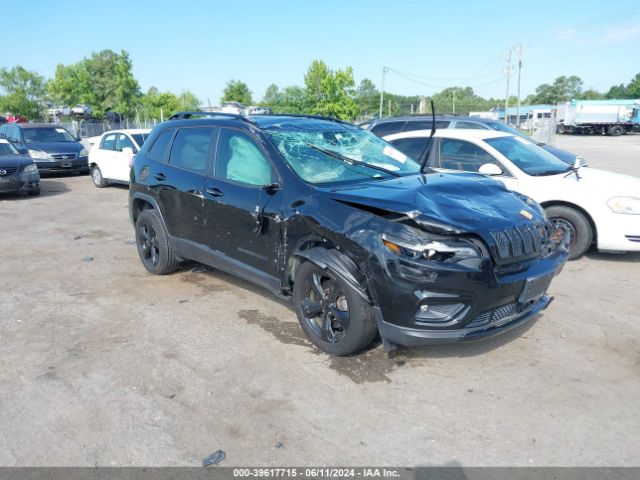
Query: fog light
{"points": [[438, 312]]}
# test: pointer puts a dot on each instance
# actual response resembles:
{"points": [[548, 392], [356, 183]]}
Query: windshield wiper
{"points": [[351, 161], [546, 173]]}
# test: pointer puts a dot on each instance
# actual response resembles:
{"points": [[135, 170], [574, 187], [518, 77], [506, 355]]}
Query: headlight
{"points": [[31, 168], [627, 205], [440, 250], [83, 153], [40, 155]]}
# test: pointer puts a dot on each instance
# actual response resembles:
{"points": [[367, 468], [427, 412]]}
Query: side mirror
{"points": [[490, 169], [128, 151]]}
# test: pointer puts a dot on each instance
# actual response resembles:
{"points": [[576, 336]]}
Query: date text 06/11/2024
{"points": [[322, 472]]}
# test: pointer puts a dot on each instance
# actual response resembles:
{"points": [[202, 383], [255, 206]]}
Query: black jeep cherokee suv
{"points": [[344, 225]]}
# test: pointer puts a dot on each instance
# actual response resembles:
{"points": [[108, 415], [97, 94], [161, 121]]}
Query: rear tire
{"points": [[616, 130], [332, 314], [153, 244], [577, 225], [96, 175]]}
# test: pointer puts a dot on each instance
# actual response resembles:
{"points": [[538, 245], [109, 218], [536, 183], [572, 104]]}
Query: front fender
{"points": [[339, 264]]}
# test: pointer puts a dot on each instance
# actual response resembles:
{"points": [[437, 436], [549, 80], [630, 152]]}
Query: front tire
{"points": [[332, 314], [153, 244], [96, 175], [576, 224]]}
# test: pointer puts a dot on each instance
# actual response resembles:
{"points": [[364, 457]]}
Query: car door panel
{"points": [[241, 215], [182, 198]]}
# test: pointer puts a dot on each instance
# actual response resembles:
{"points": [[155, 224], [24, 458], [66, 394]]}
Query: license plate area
{"points": [[534, 288], [66, 164]]}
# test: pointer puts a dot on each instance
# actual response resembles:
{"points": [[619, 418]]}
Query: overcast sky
{"points": [[199, 45]]}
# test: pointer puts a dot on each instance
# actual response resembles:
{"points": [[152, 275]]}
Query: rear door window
{"points": [[411, 147], [108, 142], [124, 142], [191, 149], [387, 128], [424, 125], [470, 125]]}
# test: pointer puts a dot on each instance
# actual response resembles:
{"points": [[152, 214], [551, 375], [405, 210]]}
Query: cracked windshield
{"points": [[337, 156]]}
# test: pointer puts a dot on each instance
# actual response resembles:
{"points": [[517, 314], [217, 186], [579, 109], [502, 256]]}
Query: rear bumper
{"points": [[412, 337]]}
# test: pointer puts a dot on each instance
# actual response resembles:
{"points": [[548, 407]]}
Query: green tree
{"points": [[160, 105], [104, 80], [563, 89], [237, 91], [271, 96], [367, 97], [633, 88], [330, 93], [22, 92], [591, 94]]}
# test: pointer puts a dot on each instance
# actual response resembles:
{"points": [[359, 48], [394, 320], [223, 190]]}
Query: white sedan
{"points": [[110, 156], [595, 206]]}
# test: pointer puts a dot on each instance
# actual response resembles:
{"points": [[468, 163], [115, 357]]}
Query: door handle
{"points": [[214, 192], [161, 177], [196, 193]]}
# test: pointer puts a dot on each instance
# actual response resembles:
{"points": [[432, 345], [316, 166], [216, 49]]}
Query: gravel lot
{"points": [[103, 364]]}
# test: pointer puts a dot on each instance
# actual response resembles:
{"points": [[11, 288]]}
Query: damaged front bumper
{"points": [[411, 337], [469, 303]]}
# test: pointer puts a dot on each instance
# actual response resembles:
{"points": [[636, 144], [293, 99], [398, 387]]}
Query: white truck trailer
{"points": [[611, 117]]}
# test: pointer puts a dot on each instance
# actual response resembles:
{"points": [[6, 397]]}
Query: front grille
{"points": [[8, 170], [63, 156], [633, 238], [499, 315], [520, 242]]}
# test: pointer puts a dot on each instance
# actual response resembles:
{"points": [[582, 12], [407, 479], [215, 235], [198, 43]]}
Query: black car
{"points": [[18, 173], [345, 226], [389, 126], [51, 146]]}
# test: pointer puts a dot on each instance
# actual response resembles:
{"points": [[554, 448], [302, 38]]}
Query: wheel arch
{"points": [[561, 203], [140, 203], [327, 256]]}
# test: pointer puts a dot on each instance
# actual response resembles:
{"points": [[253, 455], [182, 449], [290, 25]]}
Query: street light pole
{"points": [[506, 99], [384, 70]]}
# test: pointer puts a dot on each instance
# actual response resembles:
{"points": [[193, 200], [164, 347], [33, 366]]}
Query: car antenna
{"points": [[425, 151]]}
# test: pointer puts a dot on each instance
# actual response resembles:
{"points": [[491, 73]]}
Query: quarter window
{"points": [[240, 160], [190, 149], [461, 155], [159, 149]]}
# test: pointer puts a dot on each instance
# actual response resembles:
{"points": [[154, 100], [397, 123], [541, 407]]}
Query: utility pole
{"points": [[454, 102], [384, 71], [519, 46], [507, 72]]}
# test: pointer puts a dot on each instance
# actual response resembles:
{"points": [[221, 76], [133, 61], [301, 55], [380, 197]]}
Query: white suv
{"points": [[110, 157]]}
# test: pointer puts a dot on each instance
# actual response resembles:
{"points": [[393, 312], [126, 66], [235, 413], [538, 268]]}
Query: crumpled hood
{"points": [[448, 202], [56, 147]]}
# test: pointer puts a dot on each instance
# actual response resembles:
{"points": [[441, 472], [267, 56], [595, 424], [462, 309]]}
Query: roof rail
{"points": [[186, 115], [302, 115]]}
